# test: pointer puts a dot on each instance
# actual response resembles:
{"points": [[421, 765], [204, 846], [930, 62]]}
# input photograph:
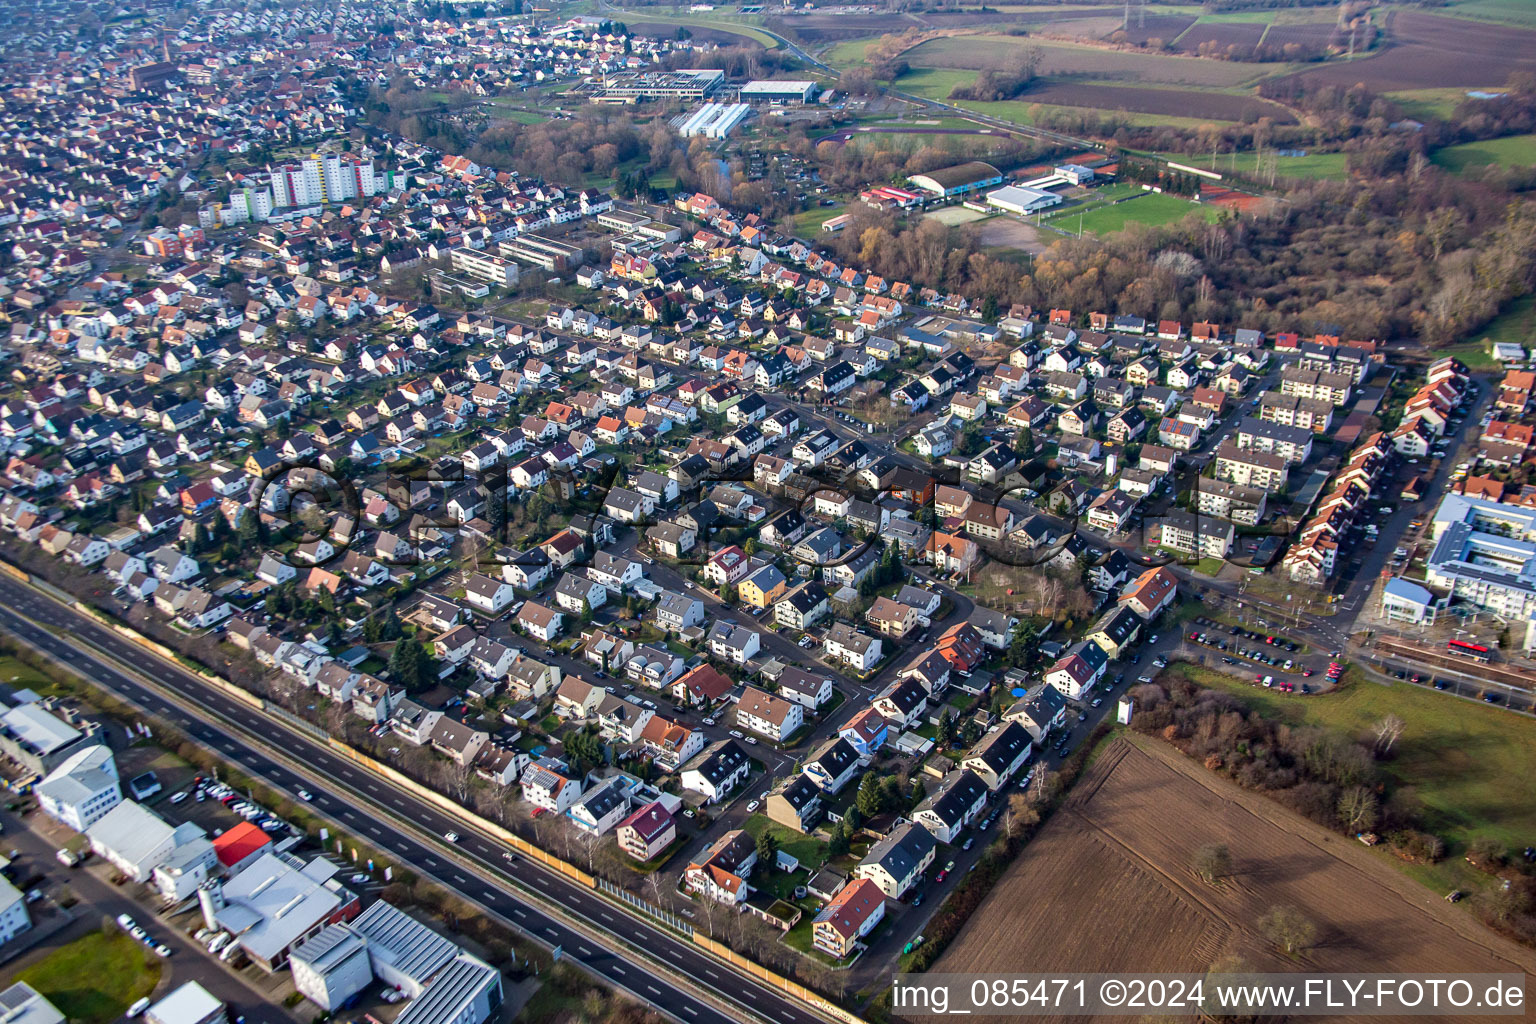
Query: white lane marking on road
{"points": [[712, 974], [583, 950], [617, 969], [690, 1010], [653, 988], [519, 912]]}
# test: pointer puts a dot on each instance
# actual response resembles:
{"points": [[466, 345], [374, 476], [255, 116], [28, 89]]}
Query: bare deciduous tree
{"points": [[1213, 862], [1358, 807], [1288, 928], [1387, 732]]}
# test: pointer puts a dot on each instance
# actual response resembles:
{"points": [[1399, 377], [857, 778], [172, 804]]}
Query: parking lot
{"points": [[1262, 657]]}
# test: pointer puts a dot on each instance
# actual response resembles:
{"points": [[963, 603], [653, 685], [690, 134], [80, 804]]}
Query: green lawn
{"points": [[94, 979], [1514, 325], [18, 674], [504, 111], [1151, 208], [848, 53], [808, 223], [1428, 104], [1313, 166], [1509, 12], [1509, 151], [808, 850], [1470, 764]]}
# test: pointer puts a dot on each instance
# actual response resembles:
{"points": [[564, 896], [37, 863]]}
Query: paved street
{"points": [[99, 898], [475, 869]]}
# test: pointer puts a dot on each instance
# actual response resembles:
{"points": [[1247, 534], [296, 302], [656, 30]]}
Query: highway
{"points": [[364, 805]]}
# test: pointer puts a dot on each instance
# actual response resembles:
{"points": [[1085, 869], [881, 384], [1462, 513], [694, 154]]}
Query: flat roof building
{"points": [[482, 266], [682, 84], [467, 991], [795, 91], [32, 735], [23, 1004], [275, 904], [82, 789], [543, 252], [1021, 200], [402, 951], [332, 967], [189, 1004]]}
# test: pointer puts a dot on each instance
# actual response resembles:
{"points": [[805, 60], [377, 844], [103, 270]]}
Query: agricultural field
{"points": [[1088, 62], [1151, 208], [1116, 861], [1458, 756], [1423, 51], [1506, 12], [1509, 151], [1162, 88], [736, 31]]}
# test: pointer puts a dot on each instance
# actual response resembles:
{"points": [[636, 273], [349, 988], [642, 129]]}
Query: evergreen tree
{"points": [[871, 799]]}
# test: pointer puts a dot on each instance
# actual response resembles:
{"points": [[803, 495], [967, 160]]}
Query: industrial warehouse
{"points": [[714, 120]]}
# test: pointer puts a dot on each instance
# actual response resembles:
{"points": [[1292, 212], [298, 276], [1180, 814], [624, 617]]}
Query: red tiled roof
{"points": [[238, 843]]}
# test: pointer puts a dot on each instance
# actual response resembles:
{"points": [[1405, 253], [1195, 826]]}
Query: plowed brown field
{"points": [[1423, 50], [1107, 886]]}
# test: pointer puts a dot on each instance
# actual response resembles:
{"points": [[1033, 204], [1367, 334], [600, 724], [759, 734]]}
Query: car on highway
{"points": [[305, 795], [452, 837]]}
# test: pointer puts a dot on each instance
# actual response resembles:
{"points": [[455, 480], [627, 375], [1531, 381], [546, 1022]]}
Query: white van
{"points": [[138, 1007]]}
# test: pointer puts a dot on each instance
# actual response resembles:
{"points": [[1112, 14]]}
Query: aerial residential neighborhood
{"points": [[512, 513]]}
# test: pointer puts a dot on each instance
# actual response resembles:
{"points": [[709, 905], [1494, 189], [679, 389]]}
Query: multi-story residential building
{"points": [[1322, 385], [1225, 500], [647, 831], [851, 915], [897, 862], [545, 787], [1201, 536], [1312, 414], [1293, 444], [1251, 468], [771, 716]]}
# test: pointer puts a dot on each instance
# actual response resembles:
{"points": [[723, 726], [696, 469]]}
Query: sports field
{"points": [[1312, 166], [1151, 208]]}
